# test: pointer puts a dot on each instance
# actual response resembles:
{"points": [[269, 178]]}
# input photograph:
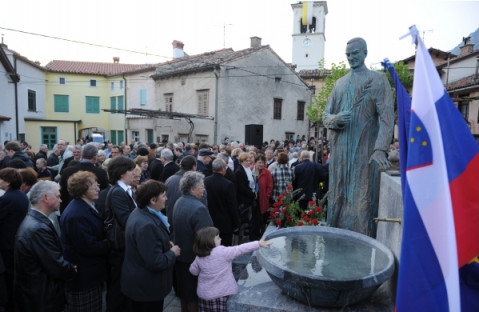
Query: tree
{"points": [[315, 110]]}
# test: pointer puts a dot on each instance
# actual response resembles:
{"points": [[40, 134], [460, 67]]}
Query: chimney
{"points": [[255, 42], [466, 49], [178, 49], [116, 60]]}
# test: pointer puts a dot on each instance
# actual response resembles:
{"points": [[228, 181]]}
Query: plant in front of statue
{"points": [[286, 212], [314, 215]]}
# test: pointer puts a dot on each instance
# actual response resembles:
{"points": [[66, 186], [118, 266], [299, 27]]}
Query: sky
{"points": [[150, 26]]}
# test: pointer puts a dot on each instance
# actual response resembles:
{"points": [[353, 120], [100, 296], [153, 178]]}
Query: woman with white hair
{"points": [[189, 216]]}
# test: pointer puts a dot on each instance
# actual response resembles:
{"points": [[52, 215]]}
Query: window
{"points": [[32, 101], [112, 85], [92, 82], [121, 84], [289, 136], [142, 96], [201, 138], [49, 136], [464, 109], [300, 112], [203, 100], [278, 103], [304, 28], [61, 103], [120, 103], [92, 104], [117, 137], [168, 102], [62, 81], [135, 135]]}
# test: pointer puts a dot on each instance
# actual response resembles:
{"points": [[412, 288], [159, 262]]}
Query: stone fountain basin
{"points": [[324, 266]]}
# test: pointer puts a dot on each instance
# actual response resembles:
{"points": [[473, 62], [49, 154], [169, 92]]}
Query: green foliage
{"points": [[315, 110], [404, 75]]}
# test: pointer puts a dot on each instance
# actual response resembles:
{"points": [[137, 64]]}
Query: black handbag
{"points": [[113, 232]]}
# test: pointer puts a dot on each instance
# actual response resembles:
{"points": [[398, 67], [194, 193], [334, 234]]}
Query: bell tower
{"points": [[308, 41]]}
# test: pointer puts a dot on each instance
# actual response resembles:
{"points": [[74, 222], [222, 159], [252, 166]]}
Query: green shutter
{"points": [[113, 102], [120, 102], [113, 137], [92, 104], [60, 103], [120, 137]]}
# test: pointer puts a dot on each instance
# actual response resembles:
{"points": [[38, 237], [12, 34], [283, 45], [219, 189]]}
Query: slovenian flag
{"points": [[307, 16], [440, 241]]}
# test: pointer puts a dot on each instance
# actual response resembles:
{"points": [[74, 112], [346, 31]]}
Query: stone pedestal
{"points": [[391, 207]]}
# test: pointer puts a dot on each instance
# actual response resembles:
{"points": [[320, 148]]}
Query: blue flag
{"points": [[404, 116]]}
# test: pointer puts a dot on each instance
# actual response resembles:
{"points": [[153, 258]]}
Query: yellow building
{"points": [[76, 95]]}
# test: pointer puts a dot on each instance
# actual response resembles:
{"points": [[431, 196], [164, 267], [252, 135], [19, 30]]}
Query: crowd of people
{"points": [[91, 227]]}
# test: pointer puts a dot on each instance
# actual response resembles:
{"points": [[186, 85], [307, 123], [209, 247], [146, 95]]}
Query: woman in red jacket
{"points": [[264, 182]]}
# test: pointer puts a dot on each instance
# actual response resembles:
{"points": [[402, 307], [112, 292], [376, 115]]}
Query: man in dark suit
{"points": [[204, 158], [40, 268], [230, 175], [222, 205], [155, 165], [307, 176], [87, 163], [169, 166]]}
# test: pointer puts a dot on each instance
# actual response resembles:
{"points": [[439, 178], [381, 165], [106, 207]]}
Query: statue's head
{"points": [[356, 52]]}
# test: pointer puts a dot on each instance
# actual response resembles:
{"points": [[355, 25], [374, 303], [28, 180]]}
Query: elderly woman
{"points": [[146, 276], [245, 187], [100, 158], [142, 162], [84, 244], [13, 209], [264, 180], [283, 175], [189, 216]]}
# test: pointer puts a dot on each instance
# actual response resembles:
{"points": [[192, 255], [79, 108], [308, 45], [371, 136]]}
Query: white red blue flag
{"points": [[441, 201]]}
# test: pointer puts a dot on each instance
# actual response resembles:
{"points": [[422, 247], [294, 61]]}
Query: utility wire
{"points": [[82, 42]]}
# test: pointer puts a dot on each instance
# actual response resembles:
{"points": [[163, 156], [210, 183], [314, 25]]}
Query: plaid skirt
{"points": [[213, 305], [89, 300]]}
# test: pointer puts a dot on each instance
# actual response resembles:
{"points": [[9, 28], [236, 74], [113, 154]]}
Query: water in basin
{"points": [[326, 256]]}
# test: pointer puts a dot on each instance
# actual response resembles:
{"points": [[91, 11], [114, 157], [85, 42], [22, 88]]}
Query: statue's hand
{"points": [[380, 158], [343, 118]]}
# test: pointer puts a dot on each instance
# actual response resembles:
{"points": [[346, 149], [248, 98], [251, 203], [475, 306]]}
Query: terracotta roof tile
{"points": [[93, 68], [462, 83]]}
